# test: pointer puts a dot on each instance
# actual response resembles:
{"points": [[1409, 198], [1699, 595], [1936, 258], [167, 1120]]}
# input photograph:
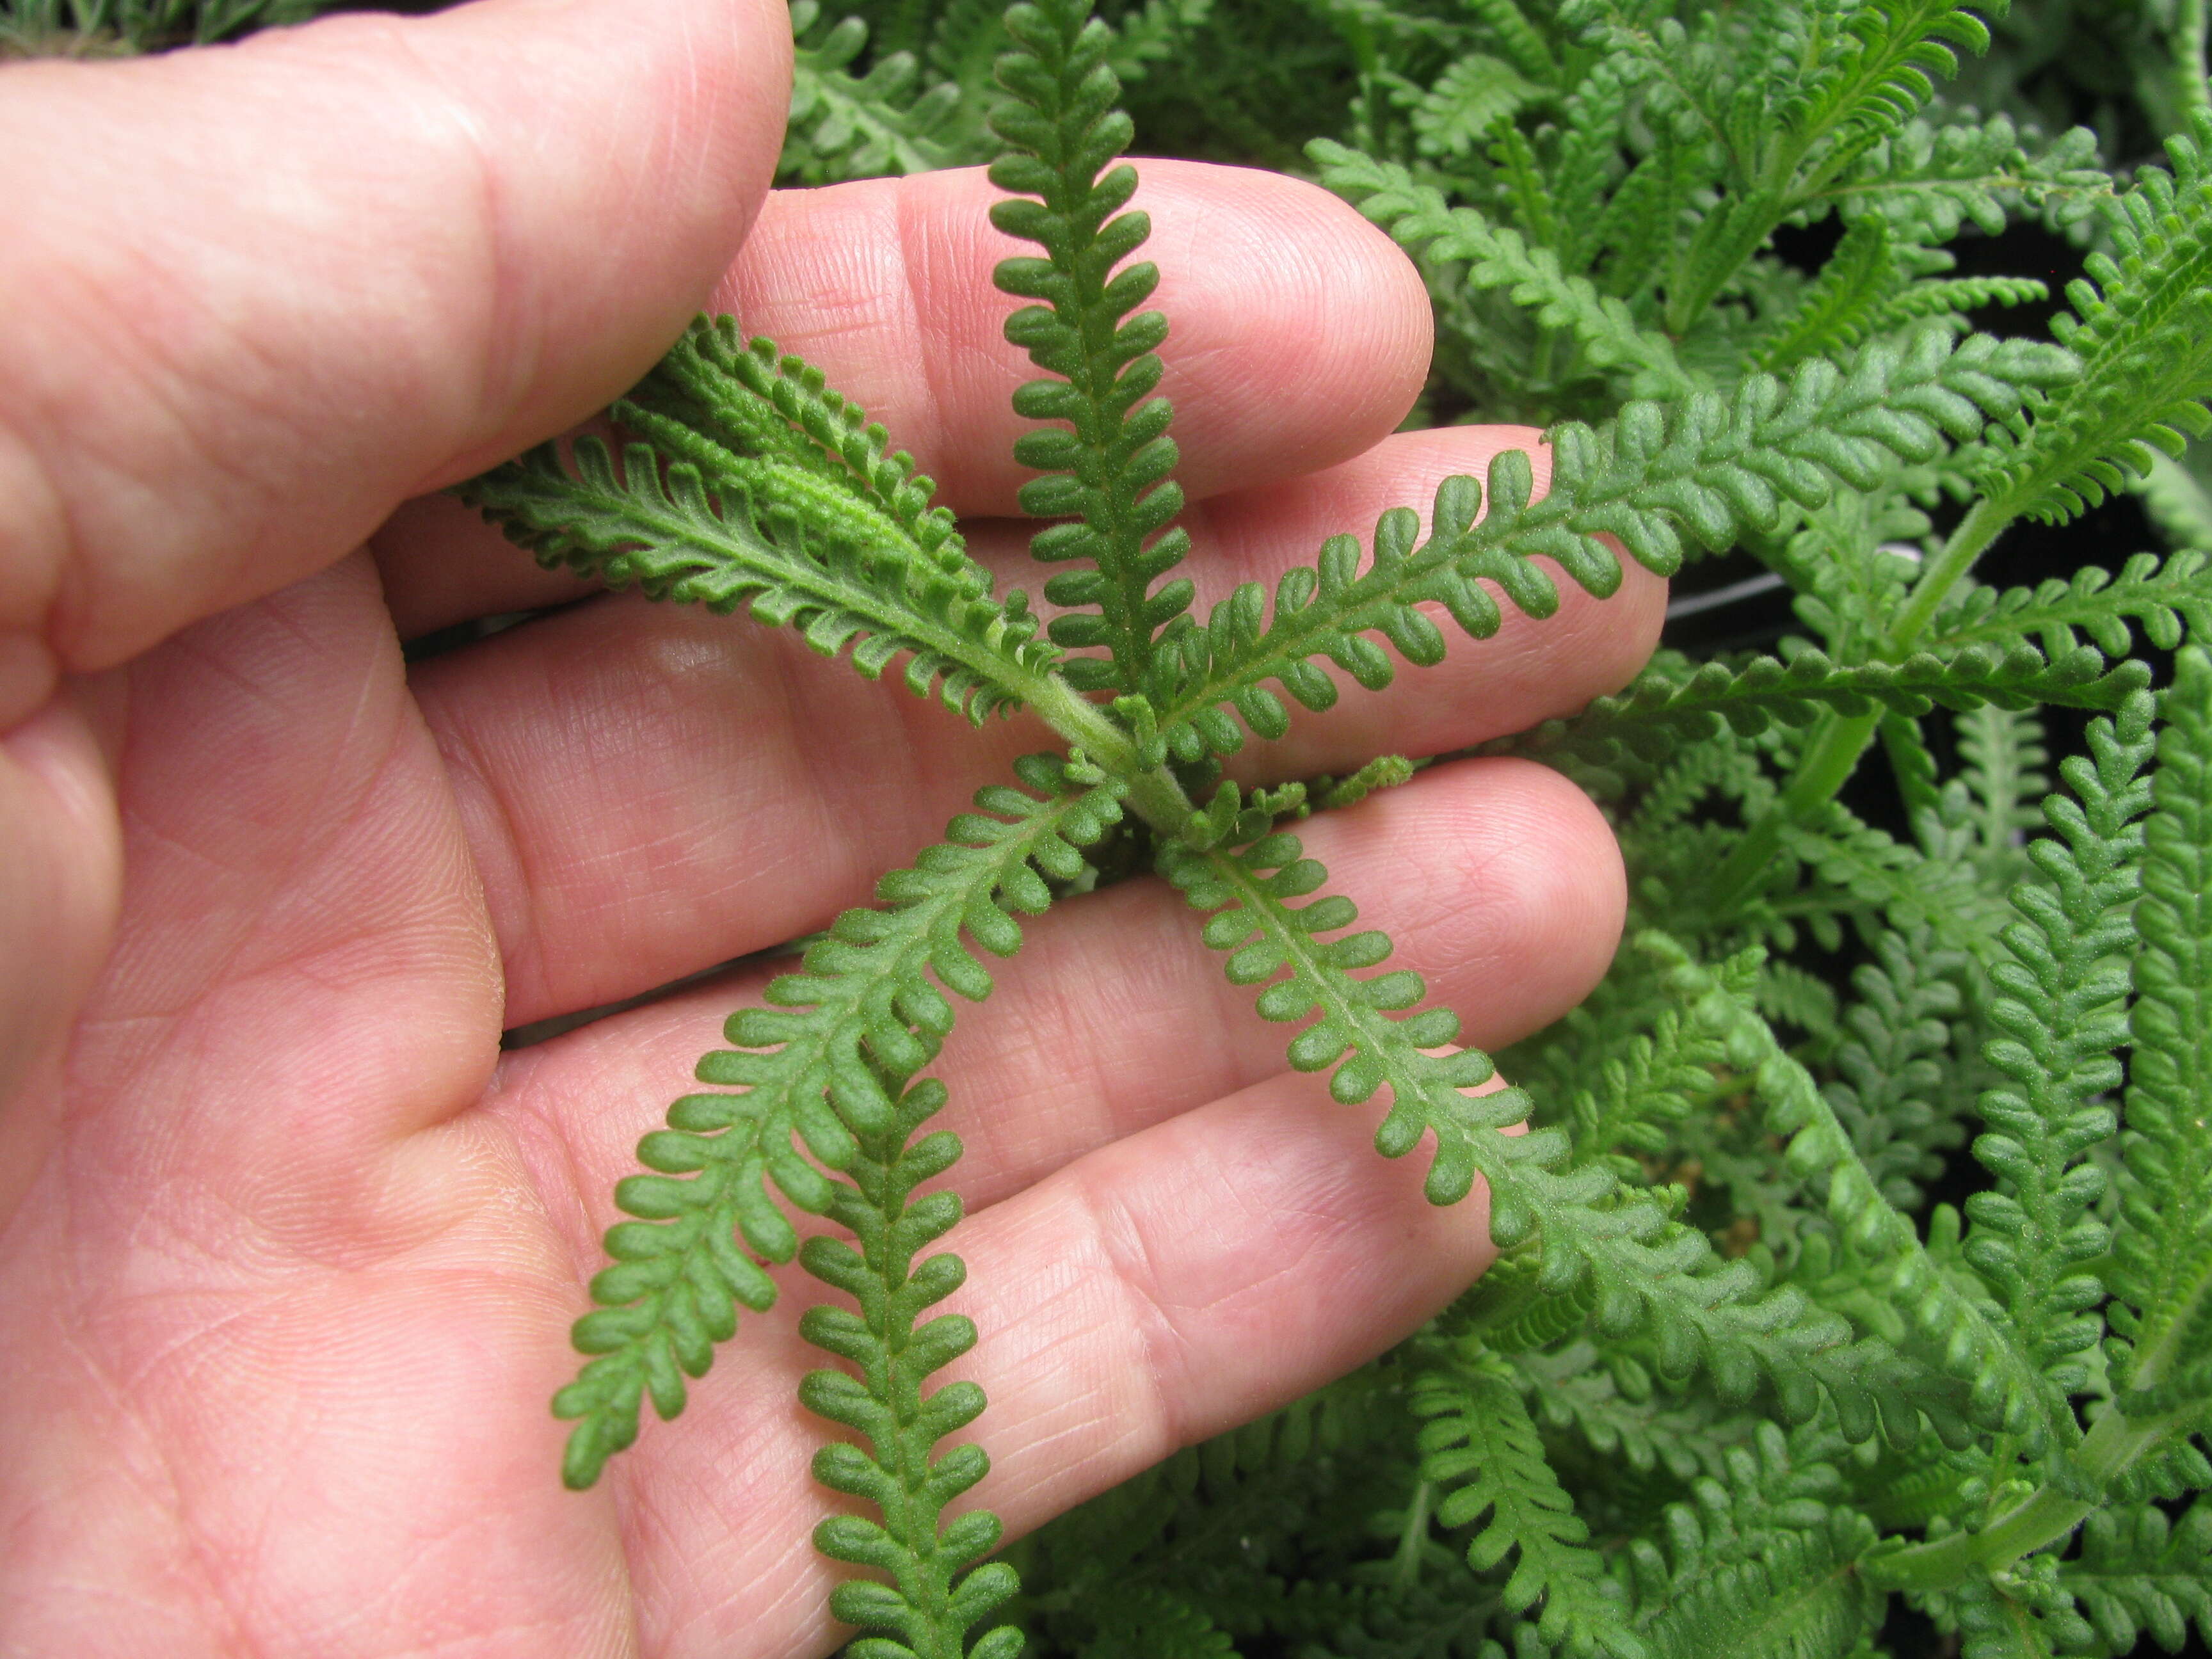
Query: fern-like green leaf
{"points": [[2058, 1006], [1107, 468], [1672, 703], [2162, 1252], [1154, 33], [1521, 41], [2002, 774], [1655, 1082], [1760, 1565], [759, 487], [1648, 1271], [1891, 1098], [862, 1008], [1420, 219], [2138, 1573], [936, 1591], [1927, 178], [1357, 1038], [846, 126], [1471, 97], [1897, 50], [1704, 471], [2143, 328], [2024, 1612], [2009, 1386], [2169, 600], [1480, 1446], [1151, 1624], [1860, 278]]}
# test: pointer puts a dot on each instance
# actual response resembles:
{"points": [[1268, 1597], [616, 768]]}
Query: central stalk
{"points": [[1154, 795]]}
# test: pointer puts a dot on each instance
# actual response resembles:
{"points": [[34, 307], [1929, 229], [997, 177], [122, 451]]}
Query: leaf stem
{"points": [[1405, 1566], [2189, 55], [1981, 526], [2043, 1517], [1154, 794], [1833, 754]]}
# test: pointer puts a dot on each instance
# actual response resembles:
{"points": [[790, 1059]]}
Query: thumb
{"points": [[262, 293]]}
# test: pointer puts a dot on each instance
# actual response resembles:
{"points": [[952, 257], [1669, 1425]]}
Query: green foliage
{"points": [[40, 29], [933, 1597], [1758, 1563], [1736, 1379], [1356, 1037], [1895, 1064], [1106, 472], [2139, 328], [2168, 600], [847, 127], [1704, 472], [1421, 218], [1480, 1446], [1152, 1625], [2058, 1003], [756, 486], [825, 1067], [2138, 1572], [1657, 1081], [1671, 704], [2162, 1254]]}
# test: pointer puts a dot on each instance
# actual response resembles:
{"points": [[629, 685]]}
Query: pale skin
{"points": [[290, 1246]]}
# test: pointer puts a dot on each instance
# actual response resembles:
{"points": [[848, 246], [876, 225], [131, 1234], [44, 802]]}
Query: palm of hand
{"points": [[284, 1299]]}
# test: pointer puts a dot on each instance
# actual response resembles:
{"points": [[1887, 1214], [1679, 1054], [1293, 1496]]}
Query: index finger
{"points": [[1298, 334], [1299, 337]]}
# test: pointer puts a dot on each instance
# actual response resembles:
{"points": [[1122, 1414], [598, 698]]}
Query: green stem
{"points": [[1828, 762], [1406, 1567], [1154, 794], [2044, 1517], [1975, 532], [1547, 346], [1837, 741], [2189, 55]]}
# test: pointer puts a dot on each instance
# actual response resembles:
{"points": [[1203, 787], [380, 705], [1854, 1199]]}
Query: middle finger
{"points": [[649, 791], [1301, 337]]}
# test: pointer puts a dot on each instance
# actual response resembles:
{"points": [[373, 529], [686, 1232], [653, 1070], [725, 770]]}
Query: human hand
{"points": [[291, 1246]]}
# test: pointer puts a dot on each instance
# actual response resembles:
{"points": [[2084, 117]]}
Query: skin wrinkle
{"points": [[1120, 1242], [796, 1580], [358, 62], [72, 615], [863, 788], [1264, 248], [261, 1316], [246, 934], [500, 363], [224, 1575], [829, 781], [913, 258], [169, 1496], [156, 294], [1077, 1003], [473, 779], [60, 593], [1072, 1386], [509, 1101]]}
